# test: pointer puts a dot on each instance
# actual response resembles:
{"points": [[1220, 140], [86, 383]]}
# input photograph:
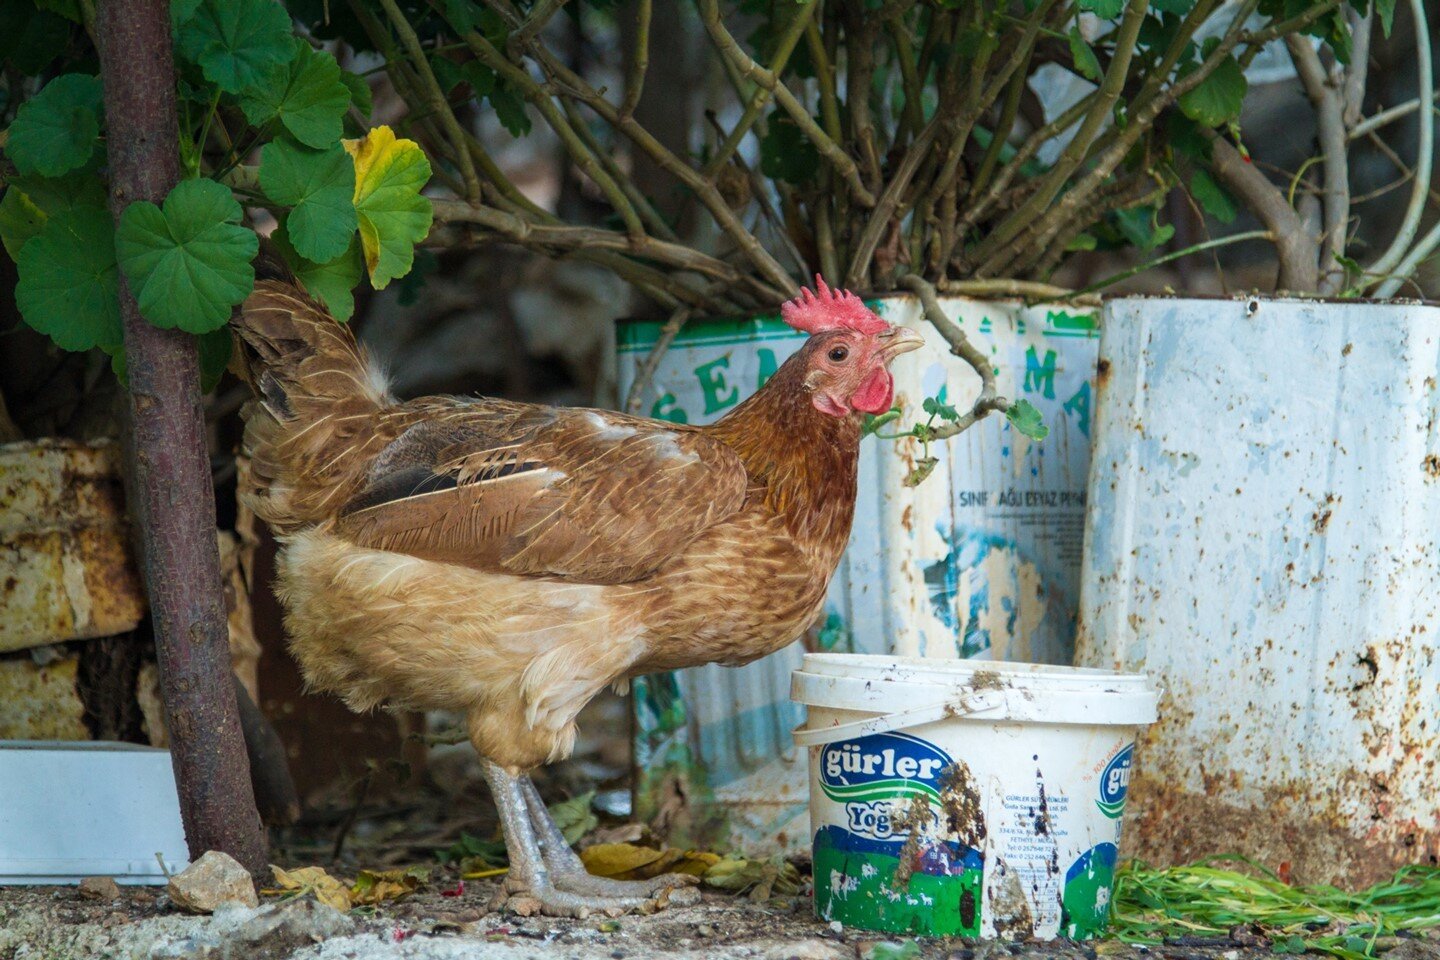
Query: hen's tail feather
{"points": [[310, 430]]}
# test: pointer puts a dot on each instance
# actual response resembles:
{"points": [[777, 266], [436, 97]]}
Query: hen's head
{"points": [[847, 358]]}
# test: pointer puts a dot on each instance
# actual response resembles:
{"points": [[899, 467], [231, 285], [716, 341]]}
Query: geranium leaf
{"points": [[20, 220], [360, 93], [235, 42], [55, 131], [307, 94], [1104, 9], [320, 186], [29, 37], [332, 283], [214, 348], [394, 216], [1024, 417], [1212, 197], [1219, 97], [68, 283], [1086, 63], [188, 263]]}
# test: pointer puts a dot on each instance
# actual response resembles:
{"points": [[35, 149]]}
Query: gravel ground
{"points": [[56, 923]]}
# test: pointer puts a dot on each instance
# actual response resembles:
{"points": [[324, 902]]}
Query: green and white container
{"points": [[980, 560], [958, 797]]}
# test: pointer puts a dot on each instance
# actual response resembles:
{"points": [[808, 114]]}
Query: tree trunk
{"points": [[169, 491]]}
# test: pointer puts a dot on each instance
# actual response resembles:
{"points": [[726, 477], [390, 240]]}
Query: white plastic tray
{"points": [[70, 810]]}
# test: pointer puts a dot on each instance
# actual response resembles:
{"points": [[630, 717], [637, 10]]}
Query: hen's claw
{"points": [[547, 877]]}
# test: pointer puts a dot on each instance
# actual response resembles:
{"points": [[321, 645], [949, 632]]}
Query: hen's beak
{"points": [[898, 340]]}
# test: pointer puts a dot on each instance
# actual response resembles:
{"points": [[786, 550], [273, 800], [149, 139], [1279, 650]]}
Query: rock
{"points": [[99, 888], [214, 879], [272, 932], [813, 949], [1414, 949]]}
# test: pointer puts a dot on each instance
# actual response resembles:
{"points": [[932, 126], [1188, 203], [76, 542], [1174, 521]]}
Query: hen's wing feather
{"points": [[589, 495]]}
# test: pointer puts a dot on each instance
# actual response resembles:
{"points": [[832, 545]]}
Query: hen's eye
{"points": [[837, 354]]}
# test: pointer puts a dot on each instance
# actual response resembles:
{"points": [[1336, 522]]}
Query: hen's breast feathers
{"points": [[586, 495]]}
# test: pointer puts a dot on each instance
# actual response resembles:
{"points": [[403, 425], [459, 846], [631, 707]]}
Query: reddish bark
{"points": [[169, 473]]}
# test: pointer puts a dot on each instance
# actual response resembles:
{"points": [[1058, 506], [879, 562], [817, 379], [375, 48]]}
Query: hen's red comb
{"points": [[830, 310]]}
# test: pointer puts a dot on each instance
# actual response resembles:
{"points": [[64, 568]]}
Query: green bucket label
{"points": [[897, 863], [1085, 906]]}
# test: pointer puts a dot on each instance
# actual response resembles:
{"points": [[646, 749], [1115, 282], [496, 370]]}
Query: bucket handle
{"points": [[963, 706]]}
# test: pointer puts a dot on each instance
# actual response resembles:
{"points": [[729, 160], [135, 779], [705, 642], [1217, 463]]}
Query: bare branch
{"points": [[639, 61], [1335, 199], [643, 376], [1296, 247], [989, 400]]}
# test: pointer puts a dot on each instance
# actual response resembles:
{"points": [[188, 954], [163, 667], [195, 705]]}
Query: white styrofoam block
{"points": [[70, 810]]}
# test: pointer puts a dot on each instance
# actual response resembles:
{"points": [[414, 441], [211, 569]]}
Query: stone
{"points": [[812, 949], [214, 879], [99, 888], [272, 932]]}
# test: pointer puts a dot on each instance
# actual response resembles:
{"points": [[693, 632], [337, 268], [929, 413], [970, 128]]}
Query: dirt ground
{"points": [[57, 923]]}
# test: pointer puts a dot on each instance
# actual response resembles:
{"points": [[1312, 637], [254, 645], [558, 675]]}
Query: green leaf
{"points": [[1081, 241], [235, 42], [1177, 7], [1026, 419], [320, 186], [31, 38], [1385, 10], [188, 263], [937, 407], [181, 11], [509, 108], [55, 131], [331, 283], [1187, 139], [1140, 225], [307, 94], [69, 9], [872, 423], [1086, 63], [1104, 9], [20, 220], [1212, 197], [360, 93], [574, 817], [1219, 97], [68, 285], [214, 348], [394, 216], [786, 153], [1291, 944], [481, 78]]}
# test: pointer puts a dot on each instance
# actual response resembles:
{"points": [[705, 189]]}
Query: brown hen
{"points": [[510, 560]]}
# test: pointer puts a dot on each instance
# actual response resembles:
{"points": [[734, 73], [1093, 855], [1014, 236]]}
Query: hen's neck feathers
{"points": [[804, 459]]}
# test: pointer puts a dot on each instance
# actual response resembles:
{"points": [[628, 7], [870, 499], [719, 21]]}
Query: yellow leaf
{"points": [[303, 880], [617, 860], [394, 216], [376, 886]]}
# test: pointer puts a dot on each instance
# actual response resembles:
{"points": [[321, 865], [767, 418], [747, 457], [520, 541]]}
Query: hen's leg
{"points": [[568, 872], [529, 882]]}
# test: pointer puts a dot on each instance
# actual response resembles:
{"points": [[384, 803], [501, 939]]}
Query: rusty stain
{"points": [[961, 800], [1345, 350], [1431, 466]]}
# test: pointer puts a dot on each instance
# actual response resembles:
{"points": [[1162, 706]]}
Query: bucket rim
{"points": [[949, 670]]}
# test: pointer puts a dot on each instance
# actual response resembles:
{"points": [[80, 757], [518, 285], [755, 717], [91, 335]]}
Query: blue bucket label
{"points": [[1115, 783]]}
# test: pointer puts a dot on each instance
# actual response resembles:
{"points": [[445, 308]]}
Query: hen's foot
{"points": [[567, 871], [547, 877], [547, 896]]}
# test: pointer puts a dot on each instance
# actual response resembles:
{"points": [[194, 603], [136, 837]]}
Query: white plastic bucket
{"points": [[963, 797]]}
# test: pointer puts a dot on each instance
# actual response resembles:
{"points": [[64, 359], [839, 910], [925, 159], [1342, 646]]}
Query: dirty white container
{"points": [[981, 560], [955, 797], [74, 810], [1264, 541]]}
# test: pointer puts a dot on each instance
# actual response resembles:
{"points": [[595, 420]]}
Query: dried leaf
{"points": [[377, 886], [313, 880], [618, 860]]}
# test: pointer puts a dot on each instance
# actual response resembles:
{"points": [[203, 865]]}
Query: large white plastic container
{"points": [[1264, 541], [963, 797], [84, 809], [982, 559]]}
